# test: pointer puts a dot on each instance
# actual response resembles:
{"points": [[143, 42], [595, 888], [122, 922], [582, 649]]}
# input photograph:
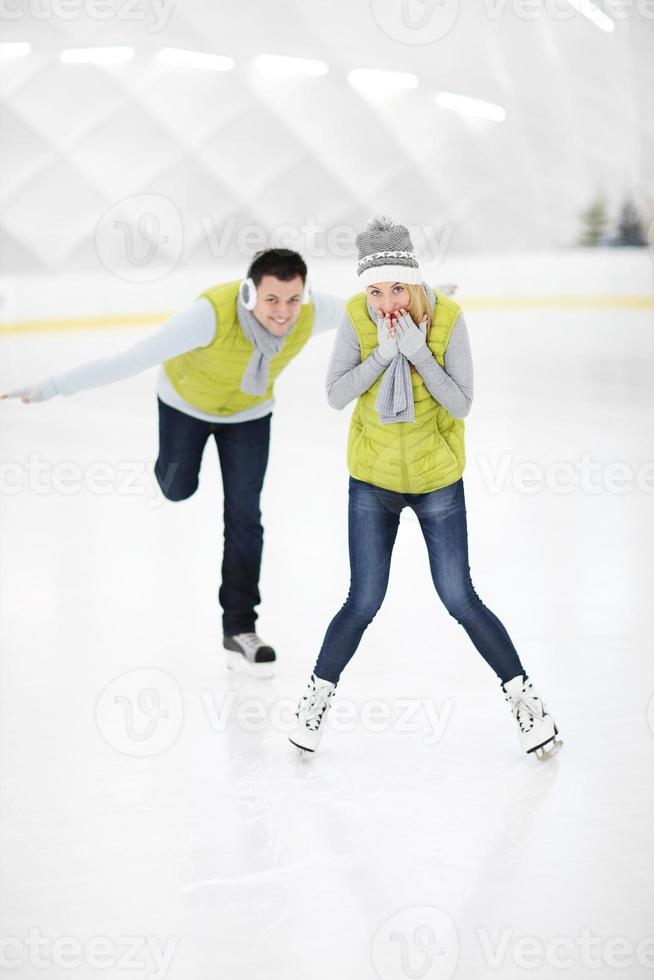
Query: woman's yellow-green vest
{"points": [[408, 457], [209, 378]]}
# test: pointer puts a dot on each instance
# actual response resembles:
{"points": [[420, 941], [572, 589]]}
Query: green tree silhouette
{"points": [[594, 221], [630, 225]]}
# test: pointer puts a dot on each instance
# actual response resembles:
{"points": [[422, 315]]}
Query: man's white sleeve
{"points": [[192, 327], [328, 312]]}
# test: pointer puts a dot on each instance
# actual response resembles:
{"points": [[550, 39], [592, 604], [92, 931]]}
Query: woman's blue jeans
{"points": [[373, 519]]}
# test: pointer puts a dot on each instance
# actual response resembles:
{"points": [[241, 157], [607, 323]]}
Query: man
{"points": [[219, 360]]}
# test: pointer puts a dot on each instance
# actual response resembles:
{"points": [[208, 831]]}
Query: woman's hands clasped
{"points": [[397, 332]]}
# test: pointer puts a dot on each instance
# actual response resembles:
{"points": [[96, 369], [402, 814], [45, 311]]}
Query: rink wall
{"points": [[620, 278]]}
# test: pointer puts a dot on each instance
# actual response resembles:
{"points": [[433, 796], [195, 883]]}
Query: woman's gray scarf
{"points": [[395, 398], [266, 345]]}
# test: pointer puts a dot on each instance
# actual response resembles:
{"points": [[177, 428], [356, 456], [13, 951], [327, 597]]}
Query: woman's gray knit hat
{"points": [[386, 253]]}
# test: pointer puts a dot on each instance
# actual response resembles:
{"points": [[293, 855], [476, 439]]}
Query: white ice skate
{"points": [[537, 729], [311, 714], [247, 653]]}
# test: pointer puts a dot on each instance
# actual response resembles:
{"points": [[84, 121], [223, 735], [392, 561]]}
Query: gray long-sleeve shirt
{"points": [[348, 376]]}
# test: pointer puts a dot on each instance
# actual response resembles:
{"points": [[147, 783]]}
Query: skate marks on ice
{"points": [[287, 862]]}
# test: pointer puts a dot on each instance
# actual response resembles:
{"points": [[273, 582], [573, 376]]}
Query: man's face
{"points": [[278, 304]]}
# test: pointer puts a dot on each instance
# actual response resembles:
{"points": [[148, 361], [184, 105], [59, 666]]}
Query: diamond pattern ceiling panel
{"points": [[239, 148], [51, 212]]}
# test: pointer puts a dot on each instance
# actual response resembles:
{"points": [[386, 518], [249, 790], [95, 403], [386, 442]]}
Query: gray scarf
{"points": [[395, 397], [266, 345]]}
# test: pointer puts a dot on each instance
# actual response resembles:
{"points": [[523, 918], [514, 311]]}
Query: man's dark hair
{"points": [[282, 263]]}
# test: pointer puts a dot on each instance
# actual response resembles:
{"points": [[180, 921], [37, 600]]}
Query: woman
{"points": [[403, 351]]}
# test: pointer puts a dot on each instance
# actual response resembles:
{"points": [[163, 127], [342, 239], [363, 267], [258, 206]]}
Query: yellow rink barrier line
{"points": [[600, 302], [591, 302], [85, 322]]}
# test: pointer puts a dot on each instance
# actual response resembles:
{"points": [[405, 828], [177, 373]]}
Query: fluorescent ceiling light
{"points": [[14, 49], [196, 59], [96, 56], [274, 64], [471, 107], [377, 82], [594, 14]]}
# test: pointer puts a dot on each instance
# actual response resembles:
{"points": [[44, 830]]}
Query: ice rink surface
{"points": [[151, 798]]}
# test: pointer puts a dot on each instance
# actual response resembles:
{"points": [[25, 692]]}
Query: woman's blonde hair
{"points": [[418, 302]]}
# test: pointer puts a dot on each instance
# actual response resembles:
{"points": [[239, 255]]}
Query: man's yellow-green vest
{"points": [[209, 378], [408, 457]]}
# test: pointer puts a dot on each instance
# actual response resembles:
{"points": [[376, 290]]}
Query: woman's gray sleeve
{"points": [[452, 386], [347, 375]]}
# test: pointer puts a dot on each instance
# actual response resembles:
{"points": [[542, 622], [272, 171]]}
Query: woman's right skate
{"points": [[311, 714], [537, 729]]}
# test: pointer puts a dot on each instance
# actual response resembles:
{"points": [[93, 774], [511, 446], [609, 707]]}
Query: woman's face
{"points": [[387, 298]]}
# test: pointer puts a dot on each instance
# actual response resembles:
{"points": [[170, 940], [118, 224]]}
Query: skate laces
{"points": [[317, 702], [525, 704], [250, 640]]}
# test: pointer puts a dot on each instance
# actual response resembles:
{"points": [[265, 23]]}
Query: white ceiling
{"points": [[266, 152]]}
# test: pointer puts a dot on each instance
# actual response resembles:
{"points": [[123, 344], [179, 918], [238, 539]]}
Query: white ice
{"points": [[169, 807]]}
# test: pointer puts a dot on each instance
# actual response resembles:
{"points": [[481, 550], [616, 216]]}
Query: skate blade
{"points": [[236, 661], [549, 749], [302, 751]]}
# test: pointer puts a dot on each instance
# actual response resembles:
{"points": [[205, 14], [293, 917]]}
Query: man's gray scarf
{"points": [[395, 398], [266, 345]]}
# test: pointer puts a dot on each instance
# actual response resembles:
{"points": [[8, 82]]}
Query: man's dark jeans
{"points": [[243, 455]]}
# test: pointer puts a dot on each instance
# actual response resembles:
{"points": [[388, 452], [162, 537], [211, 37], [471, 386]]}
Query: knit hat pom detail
{"points": [[380, 222]]}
